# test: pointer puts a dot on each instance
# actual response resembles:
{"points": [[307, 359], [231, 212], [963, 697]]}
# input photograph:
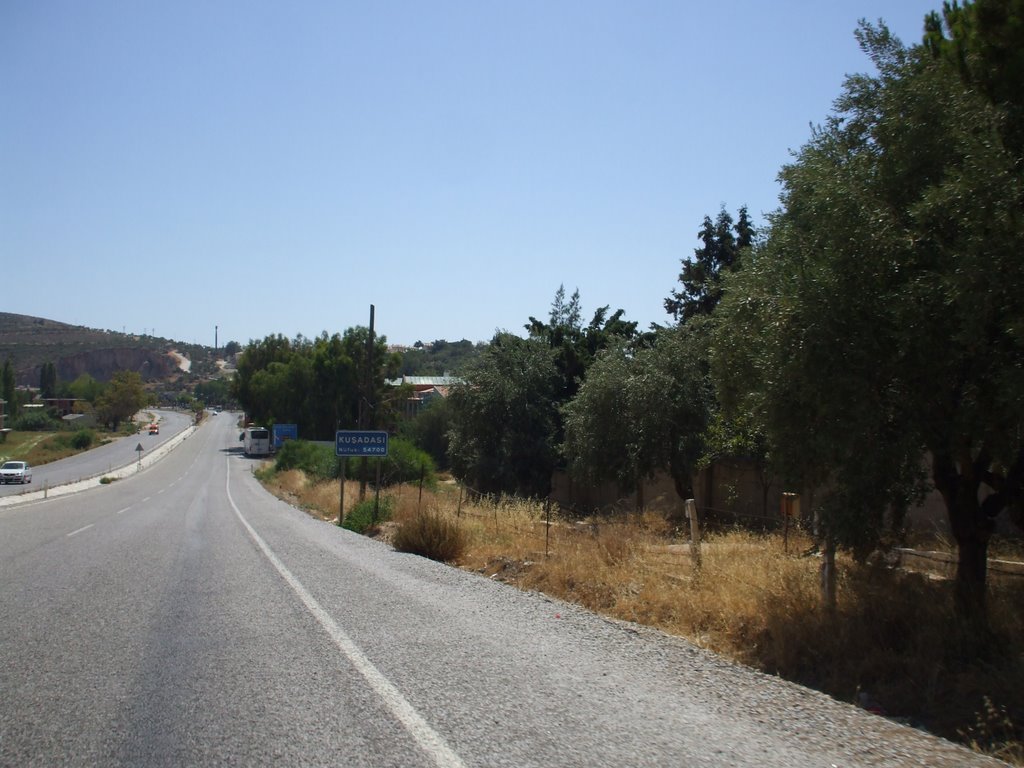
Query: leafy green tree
{"points": [[334, 386], [318, 384], [373, 367], [576, 345], [600, 439], [722, 245], [882, 322], [258, 356], [642, 412], [506, 422], [35, 421], [439, 358], [984, 42], [428, 430], [85, 387], [213, 392], [504, 418], [405, 463], [121, 399], [48, 380]]}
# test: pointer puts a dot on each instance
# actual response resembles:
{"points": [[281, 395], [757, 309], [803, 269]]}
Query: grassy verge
{"points": [[43, 447], [893, 645]]}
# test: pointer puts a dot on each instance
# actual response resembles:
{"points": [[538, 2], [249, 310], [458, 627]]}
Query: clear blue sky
{"points": [[270, 167]]}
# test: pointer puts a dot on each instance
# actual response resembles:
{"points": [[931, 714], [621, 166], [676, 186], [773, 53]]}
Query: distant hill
{"points": [[73, 349]]}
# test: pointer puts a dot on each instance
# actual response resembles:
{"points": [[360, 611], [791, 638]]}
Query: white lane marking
{"points": [[147, 499], [84, 528], [120, 511], [430, 741]]}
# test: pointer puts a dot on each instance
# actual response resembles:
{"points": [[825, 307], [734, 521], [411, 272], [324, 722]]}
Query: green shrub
{"points": [[35, 421], [428, 430], [431, 535], [265, 474], [361, 518], [405, 463], [317, 461], [82, 439]]}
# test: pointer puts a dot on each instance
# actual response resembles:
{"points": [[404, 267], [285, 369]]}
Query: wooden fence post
{"points": [[827, 573], [547, 525], [692, 516], [790, 509], [341, 491]]}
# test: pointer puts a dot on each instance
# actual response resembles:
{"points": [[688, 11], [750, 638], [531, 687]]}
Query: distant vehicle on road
{"points": [[256, 441], [15, 472], [154, 429]]}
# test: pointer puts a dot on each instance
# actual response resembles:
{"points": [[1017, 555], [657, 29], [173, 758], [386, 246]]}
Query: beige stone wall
{"points": [[728, 488], [727, 491]]}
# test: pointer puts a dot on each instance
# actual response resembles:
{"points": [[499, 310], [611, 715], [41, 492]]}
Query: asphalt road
{"points": [[183, 617], [104, 458]]}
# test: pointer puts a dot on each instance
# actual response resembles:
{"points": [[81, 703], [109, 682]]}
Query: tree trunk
{"points": [[971, 587], [827, 574], [972, 530]]}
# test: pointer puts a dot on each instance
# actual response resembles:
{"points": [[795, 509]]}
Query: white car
{"points": [[15, 472]]}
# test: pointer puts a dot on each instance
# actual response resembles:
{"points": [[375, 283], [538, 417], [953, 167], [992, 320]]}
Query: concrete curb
{"points": [[120, 473]]}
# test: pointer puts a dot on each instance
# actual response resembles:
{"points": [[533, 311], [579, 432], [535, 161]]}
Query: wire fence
{"points": [[620, 513]]}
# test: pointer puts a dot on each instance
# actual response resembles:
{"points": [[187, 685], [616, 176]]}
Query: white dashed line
{"points": [[84, 528]]}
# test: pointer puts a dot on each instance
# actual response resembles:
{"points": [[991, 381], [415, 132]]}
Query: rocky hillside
{"points": [[32, 341]]}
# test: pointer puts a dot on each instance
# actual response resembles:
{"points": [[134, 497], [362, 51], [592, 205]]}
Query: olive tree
{"points": [[877, 335], [504, 418], [640, 412], [121, 399]]}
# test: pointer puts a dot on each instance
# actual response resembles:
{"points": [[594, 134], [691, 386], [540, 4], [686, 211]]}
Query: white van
{"points": [[256, 441]]}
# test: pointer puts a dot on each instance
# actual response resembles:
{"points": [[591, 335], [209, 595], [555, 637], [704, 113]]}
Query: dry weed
{"points": [[893, 636]]}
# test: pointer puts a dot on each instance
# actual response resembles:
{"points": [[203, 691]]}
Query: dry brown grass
{"points": [[893, 638], [318, 499]]}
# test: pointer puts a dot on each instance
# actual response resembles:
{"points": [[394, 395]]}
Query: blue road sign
{"points": [[352, 442], [284, 432]]}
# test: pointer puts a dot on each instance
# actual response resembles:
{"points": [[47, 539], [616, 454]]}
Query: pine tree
{"points": [[48, 381], [8, 390], [722, 243]]}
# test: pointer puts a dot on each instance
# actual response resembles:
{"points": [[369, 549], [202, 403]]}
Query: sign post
{"points": [[138, 450], [359, 443], [790, 508]]}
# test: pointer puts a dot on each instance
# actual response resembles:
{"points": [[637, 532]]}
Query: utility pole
{"points": [[366, 419]]}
